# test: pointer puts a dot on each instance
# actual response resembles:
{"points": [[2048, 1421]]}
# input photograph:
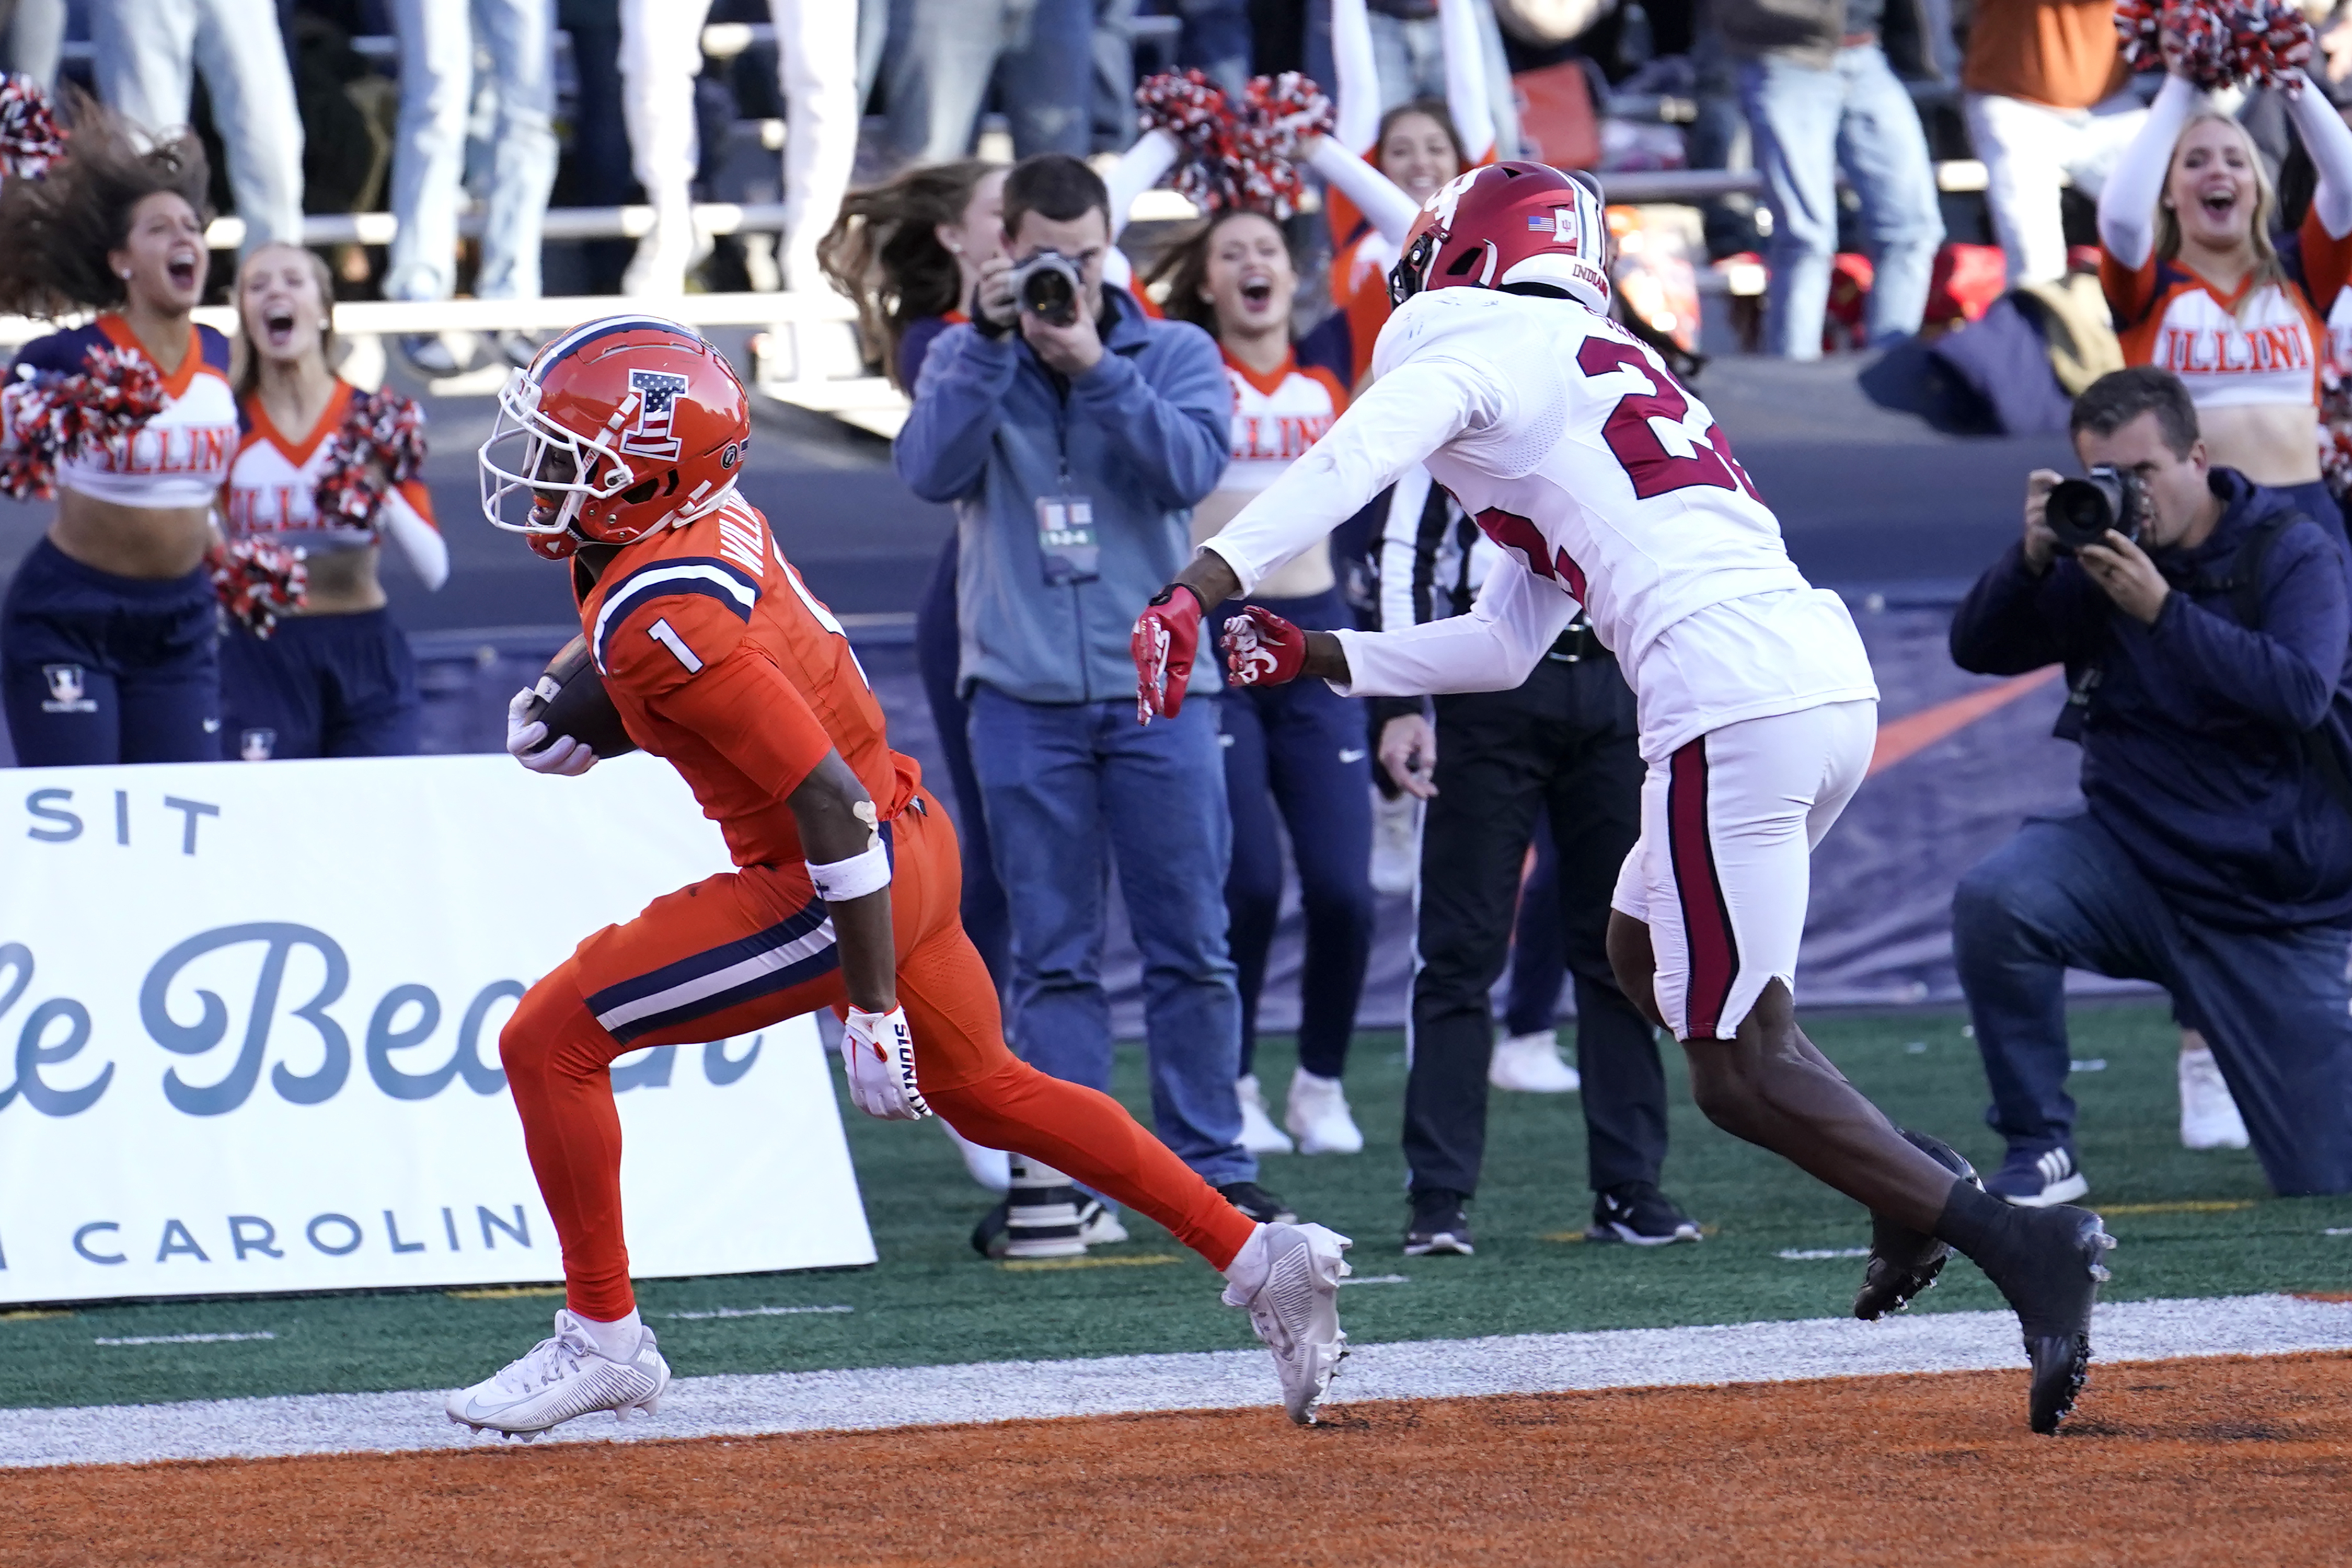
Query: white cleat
{"points": [[1531, 1064], [562, 1377], [2209, 1115], [1319, 1117], [1296, 1310], [1259, 1134]]}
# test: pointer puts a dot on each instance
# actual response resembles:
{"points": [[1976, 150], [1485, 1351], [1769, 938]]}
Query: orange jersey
{"points": [[720, 660], [2237, 349]]}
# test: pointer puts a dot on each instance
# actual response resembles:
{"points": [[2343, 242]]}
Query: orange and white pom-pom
{"points": [[1236, 154], [30, 137], [380, 445], [2218, 43], [258, 580], [50, 417]]}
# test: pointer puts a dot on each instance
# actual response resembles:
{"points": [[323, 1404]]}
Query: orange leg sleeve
{"points": [[1002, 1102], [557, 1059]]}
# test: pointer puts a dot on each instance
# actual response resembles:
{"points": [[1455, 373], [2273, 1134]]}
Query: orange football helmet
{"points": [[620, 427]]}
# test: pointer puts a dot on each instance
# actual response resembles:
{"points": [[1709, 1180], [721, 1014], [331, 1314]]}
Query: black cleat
{"points": [[1258, 1204], [1904, 1262], [2050, 1265], [1639, 1214], [1438, 1225]]}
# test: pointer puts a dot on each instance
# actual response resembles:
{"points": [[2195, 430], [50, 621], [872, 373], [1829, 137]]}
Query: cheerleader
{"points": [[107, 633], [1298, 752], [335, 677], [2199, 287]]}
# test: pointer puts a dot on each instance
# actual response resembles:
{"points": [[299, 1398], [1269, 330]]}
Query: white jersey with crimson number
{"points": [[1610, 485], [1580, 455]]}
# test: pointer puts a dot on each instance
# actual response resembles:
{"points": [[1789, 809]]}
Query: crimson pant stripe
{"points": [[1706, 921]]}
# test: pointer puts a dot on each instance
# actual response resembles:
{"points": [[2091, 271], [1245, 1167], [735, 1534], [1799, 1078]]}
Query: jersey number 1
{"points": [[1656, 434]]}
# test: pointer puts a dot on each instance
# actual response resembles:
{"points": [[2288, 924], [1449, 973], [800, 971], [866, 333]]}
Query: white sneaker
{"points": [[1396, 843], [1296, 1310], [991, 1168], [562, 1377], [2209, 1116], [1532, 1065], [1317, 1116], [1259, 1134]]}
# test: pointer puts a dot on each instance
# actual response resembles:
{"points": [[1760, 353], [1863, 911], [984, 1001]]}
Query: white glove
{"points": [[567, 758], [879, 1054]]}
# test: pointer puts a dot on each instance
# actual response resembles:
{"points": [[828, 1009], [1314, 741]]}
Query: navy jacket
{"points": [[2193, 754], [1143, 434]]}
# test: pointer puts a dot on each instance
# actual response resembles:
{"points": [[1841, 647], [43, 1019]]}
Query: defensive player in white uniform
{"points": [[1582, 457]]}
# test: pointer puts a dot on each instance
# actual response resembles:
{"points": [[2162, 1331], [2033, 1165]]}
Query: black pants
{"points": [[1562, 746]]}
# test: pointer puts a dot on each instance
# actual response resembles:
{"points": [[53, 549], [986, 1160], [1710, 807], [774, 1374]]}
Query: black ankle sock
{"points": [[1972, 1220]]}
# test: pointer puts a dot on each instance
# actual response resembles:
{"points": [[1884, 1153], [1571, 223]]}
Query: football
{"points": [[570, 696]]}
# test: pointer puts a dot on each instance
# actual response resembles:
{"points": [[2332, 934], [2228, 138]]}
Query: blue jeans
{"points": [[2274, 1005], [146, 53], [1807, 124], [36, 40], [945, 53], [1071, 790], [428, 158], [1297, 762]]}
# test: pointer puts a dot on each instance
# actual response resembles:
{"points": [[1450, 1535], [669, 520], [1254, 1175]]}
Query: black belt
{"points": [[1577, 643]]}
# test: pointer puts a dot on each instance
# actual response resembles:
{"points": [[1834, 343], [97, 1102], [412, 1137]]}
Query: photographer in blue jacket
{"points": [[2206, 663], [1073, 434]]}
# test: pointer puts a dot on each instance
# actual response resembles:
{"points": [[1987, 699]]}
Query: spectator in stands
{"points": [[32, 38], [1818, 78], [2199, 287], [1562, 747], [1417, 145], [1297, 752], [428, 161], [2048, 95], [335, 677], [106, 637], [909, 252], [1431, 49], [2211, 692], [148, 53], [1038, 54], [816, 71], [1072, 445]]}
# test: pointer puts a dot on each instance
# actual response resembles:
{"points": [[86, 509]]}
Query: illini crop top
{"points": [[2232, 350], [1276, 418], [177, 460], [273, 491]]}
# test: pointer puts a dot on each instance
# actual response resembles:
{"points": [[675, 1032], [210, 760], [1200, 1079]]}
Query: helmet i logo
{"points": [[650, 437]]}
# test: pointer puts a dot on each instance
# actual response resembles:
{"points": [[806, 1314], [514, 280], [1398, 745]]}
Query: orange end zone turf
{"points": [[2189, 1462]]}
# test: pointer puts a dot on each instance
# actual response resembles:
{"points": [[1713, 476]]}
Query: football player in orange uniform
{"points": [[624, 438]]}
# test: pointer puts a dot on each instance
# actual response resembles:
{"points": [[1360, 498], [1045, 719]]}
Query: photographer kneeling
{"points": [[2206, 666]]}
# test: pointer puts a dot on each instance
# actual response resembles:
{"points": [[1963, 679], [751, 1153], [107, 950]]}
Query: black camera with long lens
{"points": [[1047, 286], [2081, 512]]}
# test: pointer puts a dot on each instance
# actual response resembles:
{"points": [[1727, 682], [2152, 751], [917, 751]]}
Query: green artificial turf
{"points": [[931, 1300]]}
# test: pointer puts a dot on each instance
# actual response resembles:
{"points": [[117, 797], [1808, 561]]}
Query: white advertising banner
{"points": [[248, 1034]]}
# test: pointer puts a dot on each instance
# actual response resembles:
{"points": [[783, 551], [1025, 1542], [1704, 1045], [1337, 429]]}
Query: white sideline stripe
{"points": [[185, 1338], [1815, 1254], [753, 1312], [881, 1398]]}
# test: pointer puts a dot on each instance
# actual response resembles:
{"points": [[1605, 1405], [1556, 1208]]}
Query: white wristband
{"points": [[869, 871]]}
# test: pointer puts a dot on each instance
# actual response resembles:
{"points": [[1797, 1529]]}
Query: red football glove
{"points": [[1264, 650], [1166, 638]]}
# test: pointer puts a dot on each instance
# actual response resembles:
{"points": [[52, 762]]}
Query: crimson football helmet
{"points": [[1506, 223], [620, 427]]}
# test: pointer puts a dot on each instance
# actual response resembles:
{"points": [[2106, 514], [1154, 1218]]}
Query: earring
{"points": [[125, 275], [326, 326]]}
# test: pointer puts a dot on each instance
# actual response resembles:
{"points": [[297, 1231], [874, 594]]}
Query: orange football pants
{"points": [[749, 948]]}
